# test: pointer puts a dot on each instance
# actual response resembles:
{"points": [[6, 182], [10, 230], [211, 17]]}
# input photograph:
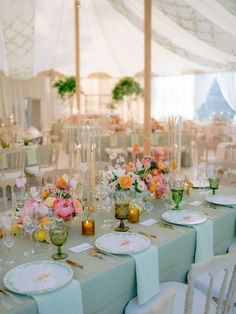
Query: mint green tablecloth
{"points": [[110, 283]]}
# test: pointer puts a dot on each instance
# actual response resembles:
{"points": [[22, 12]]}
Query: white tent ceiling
{"points": [[188, 36]]}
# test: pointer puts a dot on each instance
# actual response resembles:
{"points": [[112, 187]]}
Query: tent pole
{"points": [[147, 75], [77, 54]]}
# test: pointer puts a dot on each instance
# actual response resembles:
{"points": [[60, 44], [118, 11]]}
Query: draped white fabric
{"points": [[202, 86], [227, 83], [173, 96], [13, 94], [187, 36]]}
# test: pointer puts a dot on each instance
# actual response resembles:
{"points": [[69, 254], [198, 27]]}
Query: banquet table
{"points": [[110, 282]]}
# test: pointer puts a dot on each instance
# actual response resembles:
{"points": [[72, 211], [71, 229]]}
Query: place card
{"points": [[80, 248], [148, 222], [196, 203]]}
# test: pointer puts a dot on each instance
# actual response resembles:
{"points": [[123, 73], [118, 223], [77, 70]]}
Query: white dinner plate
{"points": [[122, 243], [200, 185], [225, 200], [184, 217], [37, 277]]}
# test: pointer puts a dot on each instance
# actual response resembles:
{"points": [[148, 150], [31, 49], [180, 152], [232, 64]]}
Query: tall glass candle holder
{"points": [[175, 142], [86, 143]]}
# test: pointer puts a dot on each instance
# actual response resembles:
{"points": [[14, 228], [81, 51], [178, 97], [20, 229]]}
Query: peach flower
{"points": [[125, 182]]}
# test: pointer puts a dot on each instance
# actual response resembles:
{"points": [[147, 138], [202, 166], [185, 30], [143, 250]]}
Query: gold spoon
{"points": [[93, 252]]}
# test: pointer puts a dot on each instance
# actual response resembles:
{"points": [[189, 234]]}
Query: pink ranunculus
{"points": [[78, 207], [28, 206], [64, 208]]}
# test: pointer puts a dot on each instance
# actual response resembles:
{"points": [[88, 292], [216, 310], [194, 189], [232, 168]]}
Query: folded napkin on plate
{"points": [[147, 273], [204, 241], [60, 300]]}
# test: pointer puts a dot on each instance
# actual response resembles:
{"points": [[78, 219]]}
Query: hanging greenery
{"points": [[127, 86], [65, 87]]}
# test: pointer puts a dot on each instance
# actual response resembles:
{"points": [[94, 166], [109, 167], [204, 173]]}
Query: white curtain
{"points": [[203, 83], [173, 95], [13, 94], [227, 83]]}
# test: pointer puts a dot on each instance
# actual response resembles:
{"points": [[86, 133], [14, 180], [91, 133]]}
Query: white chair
{"points": [[203, 280], [55, 174], [47, 159], [12, 163], [165, 306], [118, 144], [4, 183], [190, 300]]}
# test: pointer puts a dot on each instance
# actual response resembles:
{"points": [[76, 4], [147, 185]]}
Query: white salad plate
{"points": [[184, 217], [122, 243], [37, 277], [224, 200]]}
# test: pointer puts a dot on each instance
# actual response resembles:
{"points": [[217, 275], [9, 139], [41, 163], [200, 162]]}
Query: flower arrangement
{"points": [[153, 170], [59, 199], [147, 174]]}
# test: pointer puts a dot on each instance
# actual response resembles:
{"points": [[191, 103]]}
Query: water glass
{"points": [[8, 238], [30, 225]]}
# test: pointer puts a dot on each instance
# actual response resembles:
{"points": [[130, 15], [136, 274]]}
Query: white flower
{"points": [[119, 172], [141, 186], [139, 165], [73, 182], [33, 191], [113, 156], [120, 159], [20, 182], [83, 167]]}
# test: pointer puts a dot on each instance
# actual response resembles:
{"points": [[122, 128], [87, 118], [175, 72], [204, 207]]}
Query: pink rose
{"points": [[64, 208]]}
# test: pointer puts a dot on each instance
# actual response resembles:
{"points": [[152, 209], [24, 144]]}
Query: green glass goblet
{"points": [[177, 195], [214, 184], [58, 234]]}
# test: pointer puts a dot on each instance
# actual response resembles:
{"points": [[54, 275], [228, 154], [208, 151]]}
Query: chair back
{"points": [[12, 162], [118, 140], [231, 152], [55, 174], [225, 262], [4, 183], [166, 304], [47, 155], [136, 138]]}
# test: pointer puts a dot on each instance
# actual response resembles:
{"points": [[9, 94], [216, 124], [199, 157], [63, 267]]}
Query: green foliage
{"points": [[65, 87], [127, 86]]}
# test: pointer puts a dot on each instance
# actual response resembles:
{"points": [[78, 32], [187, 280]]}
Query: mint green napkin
{"points": [[147, 273], [60, 300], [204, 241]]}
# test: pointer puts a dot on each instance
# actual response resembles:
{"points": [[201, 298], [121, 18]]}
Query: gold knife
{"points": [[146, 234], [165, 225], [73, 263]]}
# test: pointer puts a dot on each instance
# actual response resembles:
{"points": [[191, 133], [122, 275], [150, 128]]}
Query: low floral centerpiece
{"points": [[124, 180]]}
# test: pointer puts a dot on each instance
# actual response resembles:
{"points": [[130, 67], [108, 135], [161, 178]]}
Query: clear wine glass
{"points": [[30, 225], [8, 239], [202, 179]]}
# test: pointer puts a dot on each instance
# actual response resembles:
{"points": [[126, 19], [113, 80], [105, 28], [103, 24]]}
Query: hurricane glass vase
{"points": [[122, 200]]}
